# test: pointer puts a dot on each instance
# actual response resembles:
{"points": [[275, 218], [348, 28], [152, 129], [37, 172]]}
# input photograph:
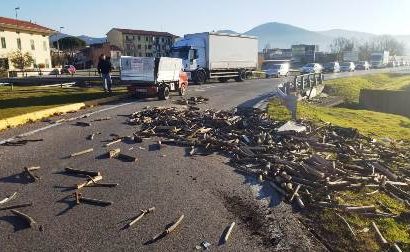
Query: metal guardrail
{"points": [[301, 83], [56, 73]]}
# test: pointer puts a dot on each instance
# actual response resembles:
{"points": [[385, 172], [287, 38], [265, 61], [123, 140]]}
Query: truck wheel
{"points": [[200, 77], [241, 76], [163, 93]]}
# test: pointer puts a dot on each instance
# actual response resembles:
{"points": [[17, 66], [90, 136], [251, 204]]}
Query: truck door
{"points": [[192, 56]]}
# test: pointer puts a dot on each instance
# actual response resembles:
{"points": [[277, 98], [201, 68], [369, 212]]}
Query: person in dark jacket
{"points": [[104, 68]]}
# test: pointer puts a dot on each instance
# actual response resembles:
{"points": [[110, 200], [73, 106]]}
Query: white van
{"points": [[275, 70]]}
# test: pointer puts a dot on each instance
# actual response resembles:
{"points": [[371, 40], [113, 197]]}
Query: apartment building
{"points": [[24, 36], [141, 43]]}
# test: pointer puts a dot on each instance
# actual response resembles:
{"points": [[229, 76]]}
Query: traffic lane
{"points": [[200, 188], [251, 87]]}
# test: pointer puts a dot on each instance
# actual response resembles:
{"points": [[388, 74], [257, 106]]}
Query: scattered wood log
{"points": [[82, 172], [89, 182], [360, 209], [8, 198], [28, 171], [379, 234], [76, 154], [396, 248], [113, 153], [228, 232], [102, 119], [347, 224], [384, 170], [139, 217], [29, 220], [113, 142], [168, 230], [126, 158], [324, 160]]}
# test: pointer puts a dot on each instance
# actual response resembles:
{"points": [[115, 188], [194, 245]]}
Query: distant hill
{"points": [[284, 35], [91, 40], [228, 32], [87, 39], [279, 35]]}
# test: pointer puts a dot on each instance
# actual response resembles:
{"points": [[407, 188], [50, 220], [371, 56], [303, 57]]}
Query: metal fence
{"points": [[56, 73]]}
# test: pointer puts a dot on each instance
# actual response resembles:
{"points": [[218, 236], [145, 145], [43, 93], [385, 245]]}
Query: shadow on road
{"points": [[17, 222]]}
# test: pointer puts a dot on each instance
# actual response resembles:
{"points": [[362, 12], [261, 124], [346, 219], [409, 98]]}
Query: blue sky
{"points": [[96, 17]]}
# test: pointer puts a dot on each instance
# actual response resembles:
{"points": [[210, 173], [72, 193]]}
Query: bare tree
{"points": [[388, 43], [341, 44]]}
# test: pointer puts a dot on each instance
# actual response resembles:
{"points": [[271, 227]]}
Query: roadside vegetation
{"points": [[23, 100], [377, 125]]}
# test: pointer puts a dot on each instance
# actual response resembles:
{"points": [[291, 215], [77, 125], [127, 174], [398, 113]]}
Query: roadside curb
{"points": [[15, 121]]}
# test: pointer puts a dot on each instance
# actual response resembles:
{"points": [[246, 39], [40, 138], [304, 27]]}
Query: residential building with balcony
{"points": [[139, 43]]}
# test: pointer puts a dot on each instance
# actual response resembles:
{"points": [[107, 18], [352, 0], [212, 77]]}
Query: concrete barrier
{"points": [[387, 101]]}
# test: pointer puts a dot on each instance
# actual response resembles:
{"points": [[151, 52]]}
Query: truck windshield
{"points": [[181, 53]]}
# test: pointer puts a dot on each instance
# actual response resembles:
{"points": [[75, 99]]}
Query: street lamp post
{"points": [[17, 9], [58, 40]]}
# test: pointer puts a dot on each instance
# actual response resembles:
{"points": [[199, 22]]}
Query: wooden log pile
{"points": [[307, 168]]}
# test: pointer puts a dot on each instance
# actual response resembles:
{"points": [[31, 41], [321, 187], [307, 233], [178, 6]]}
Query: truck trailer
{"points": [[149, 76], [221, 56], [379, 59]]}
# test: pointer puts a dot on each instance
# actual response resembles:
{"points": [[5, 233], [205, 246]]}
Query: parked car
{"points": [[311, 68], [276, 70], [68, 69], [347, 67], [331, 67], [362, 65]]}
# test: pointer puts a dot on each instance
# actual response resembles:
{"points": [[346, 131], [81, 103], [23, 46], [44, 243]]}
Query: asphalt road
{"points": [[205, 189]]}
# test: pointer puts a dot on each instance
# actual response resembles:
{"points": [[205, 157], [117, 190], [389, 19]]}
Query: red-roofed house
{"points": [[25, 36], [141, 43]]}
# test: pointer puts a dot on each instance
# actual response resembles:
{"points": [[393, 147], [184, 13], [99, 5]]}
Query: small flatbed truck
{"points": [[150, 76]]}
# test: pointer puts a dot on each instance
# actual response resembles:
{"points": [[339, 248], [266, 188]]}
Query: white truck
{"points": [[379, 59], [221, 56], [149, 76]]}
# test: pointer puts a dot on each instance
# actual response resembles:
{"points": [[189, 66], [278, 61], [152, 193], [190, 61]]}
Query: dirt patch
{"points": [[274, 232]]}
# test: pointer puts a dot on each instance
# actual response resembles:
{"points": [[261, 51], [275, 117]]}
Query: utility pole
{"points": [[58, 40]]}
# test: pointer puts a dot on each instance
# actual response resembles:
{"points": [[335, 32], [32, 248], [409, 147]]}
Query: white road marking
{"points": [[58, 124]]}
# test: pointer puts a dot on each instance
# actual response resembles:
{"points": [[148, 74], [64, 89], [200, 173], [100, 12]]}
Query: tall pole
{"points": [[17, 9], [58, 40]]}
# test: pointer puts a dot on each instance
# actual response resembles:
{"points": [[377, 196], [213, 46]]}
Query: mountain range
{"points": [[278, 35], [89, 40]]}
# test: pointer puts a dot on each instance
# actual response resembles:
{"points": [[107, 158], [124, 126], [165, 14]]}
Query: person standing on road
{"points": [[104, 68]]}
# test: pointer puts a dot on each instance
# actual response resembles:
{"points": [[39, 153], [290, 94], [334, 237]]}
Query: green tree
{"points": [[70, 44], [21, 60]]}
